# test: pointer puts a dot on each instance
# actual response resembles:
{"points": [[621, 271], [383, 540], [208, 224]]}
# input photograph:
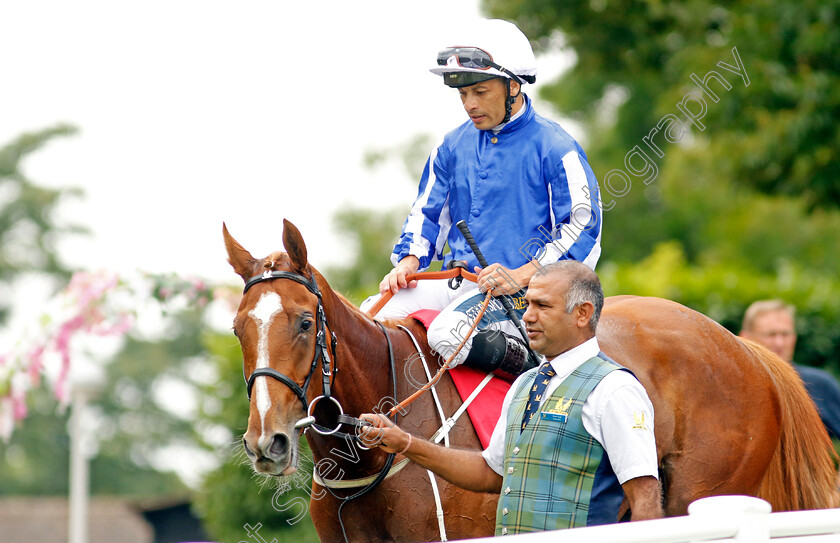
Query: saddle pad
{"points": [[484, 411]]}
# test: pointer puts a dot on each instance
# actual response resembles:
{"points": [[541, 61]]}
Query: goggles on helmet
{"points": [[474, 58]]}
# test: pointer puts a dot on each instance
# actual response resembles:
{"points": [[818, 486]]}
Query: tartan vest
{"points": [[550, 468]]}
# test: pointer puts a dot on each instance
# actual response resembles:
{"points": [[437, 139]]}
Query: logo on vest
{"points": [[639, 421], [558, 413]]}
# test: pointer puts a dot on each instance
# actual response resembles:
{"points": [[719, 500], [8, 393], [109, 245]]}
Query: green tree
{"points": [[723, 291], [372, 234], [779, 129], [744, 203], [638, 60], [147, 407], [136, 418], [29, 229]]}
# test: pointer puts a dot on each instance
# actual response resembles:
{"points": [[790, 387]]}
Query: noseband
{"points": [[321, 351]]}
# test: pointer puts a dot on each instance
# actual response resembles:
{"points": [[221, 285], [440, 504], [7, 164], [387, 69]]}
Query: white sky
{"points": [[192, 113], [195, 112]]}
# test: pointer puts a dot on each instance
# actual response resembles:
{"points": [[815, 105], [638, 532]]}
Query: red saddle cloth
{"points": [[485, 409]]}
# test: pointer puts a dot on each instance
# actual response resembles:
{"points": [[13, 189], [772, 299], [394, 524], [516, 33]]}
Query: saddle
{"points": [[485, 409]]}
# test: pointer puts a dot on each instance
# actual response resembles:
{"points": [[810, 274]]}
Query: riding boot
{"points": [[504, 355]]}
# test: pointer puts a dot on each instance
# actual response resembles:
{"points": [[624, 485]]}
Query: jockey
{"points": [[522, 184]]}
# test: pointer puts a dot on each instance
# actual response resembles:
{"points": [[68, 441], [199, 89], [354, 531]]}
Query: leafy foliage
{"points": [[744, 204], [29, 230], [372, 235], [780, 133], [723, 291], [34, 461]]}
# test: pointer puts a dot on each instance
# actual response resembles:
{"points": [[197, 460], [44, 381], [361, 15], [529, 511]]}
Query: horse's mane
{"points": [[801, 473]]}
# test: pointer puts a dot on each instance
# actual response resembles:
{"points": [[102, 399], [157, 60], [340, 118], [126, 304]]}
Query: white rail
{"points": [[736, 519]]}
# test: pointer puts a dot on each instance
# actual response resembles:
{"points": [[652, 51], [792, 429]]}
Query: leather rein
{"points": [[329, 368]]}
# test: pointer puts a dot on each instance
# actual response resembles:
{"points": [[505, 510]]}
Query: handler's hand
{"points": [[395, 280], [501, 280], [382, 433]]}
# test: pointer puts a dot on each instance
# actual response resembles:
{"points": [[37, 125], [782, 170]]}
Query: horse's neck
{"points": [[363, 382], [362, 355]]}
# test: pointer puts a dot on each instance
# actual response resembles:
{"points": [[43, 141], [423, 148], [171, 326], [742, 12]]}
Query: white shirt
{"points": [[618, 414]]}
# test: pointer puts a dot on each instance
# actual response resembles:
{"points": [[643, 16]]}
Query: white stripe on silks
{"points": [[592, 258], [263, 314], [445, 223], [414, 225], [551, 208], [580, 214]]}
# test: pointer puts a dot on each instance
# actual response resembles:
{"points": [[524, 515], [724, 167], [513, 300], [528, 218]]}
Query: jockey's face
{"points": [[775, 330], [485, 102], [551, 330]]}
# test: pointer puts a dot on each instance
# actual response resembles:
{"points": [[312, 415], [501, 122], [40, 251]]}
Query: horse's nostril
{"points": [[279, 447], [248, 451]]}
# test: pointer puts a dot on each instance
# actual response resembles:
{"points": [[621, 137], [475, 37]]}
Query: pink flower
{"points": [[36, 363]]}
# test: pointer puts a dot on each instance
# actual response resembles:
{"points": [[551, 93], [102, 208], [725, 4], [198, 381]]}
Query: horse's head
{"points": [[278, 323]]}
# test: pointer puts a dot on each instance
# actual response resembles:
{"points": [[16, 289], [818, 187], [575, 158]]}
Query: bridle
{"points": [[329, 368], [321, 351], [328, 364]]}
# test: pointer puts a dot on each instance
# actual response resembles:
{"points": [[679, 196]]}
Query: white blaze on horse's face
{"points": [[263, 314]]}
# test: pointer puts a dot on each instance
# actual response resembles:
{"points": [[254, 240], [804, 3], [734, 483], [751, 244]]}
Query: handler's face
{"points": [[551, 330]]}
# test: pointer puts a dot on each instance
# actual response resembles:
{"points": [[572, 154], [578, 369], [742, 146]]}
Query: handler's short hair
{"points": [[584, 286]]}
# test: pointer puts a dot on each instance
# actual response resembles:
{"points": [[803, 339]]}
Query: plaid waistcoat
{"points": [[550, 467]]}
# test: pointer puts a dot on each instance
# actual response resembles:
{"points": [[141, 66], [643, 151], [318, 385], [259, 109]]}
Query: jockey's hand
{"points": [[502, 280], [382, 433], [396, 278]]}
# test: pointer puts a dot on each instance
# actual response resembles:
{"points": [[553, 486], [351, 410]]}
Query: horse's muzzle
{"points": [[272, 455]]}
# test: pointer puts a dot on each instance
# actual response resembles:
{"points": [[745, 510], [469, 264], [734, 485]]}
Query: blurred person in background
{"points": [[771, 324]]}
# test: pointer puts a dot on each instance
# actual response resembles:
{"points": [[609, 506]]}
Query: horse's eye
{"points": [[306, 325]]}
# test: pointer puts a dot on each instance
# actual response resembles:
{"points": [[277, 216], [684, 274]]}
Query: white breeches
{"points": [[457, 309]]}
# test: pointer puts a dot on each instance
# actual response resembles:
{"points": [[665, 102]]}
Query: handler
{"points": [[573, 439], [521, 183]]}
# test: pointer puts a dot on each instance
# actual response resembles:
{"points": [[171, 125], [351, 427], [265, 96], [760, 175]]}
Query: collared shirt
{"points": [[618, 414]]}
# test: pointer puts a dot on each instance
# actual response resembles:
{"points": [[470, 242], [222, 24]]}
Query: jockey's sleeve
{"points": [[576, 214], [425, 230]]}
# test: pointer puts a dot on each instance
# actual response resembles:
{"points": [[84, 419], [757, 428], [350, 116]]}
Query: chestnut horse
{"points": [[731, 418]]}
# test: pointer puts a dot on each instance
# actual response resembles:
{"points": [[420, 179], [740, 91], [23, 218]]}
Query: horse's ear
{"points": [[239, 258], [295, 247]]}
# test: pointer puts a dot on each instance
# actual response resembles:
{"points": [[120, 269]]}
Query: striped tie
{"points": [[540, 383]]}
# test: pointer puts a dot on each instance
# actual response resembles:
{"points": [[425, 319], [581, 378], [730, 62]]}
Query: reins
{"points": [[443, 274], [457, 272], [329, 367], [327, 363]]}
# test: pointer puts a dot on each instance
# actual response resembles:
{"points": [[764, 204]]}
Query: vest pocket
{"points": [[553, 514]]}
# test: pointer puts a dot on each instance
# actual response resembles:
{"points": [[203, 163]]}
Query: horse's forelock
{"points": [[272, 261]]}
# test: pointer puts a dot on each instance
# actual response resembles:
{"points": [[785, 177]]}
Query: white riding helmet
{"points": [[491, 48]]}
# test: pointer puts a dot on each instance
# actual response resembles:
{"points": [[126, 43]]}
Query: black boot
{"points": [[505, 355]]}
